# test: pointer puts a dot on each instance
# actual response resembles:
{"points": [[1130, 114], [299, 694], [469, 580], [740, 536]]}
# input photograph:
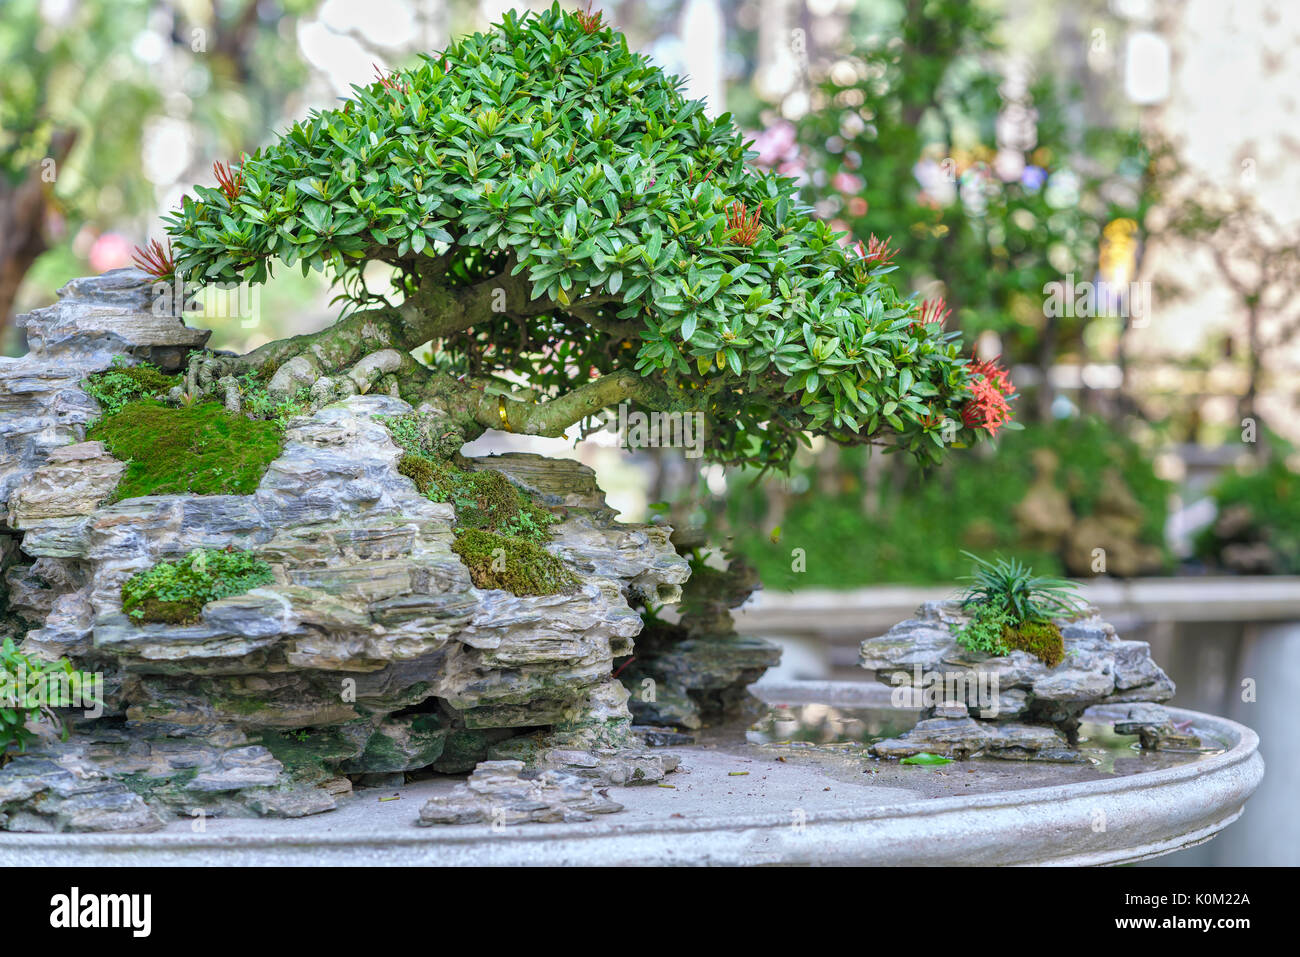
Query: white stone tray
{"points": [[780, 812]]}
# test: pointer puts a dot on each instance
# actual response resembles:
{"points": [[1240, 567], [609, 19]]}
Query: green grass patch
{"points": [[175, 592], [199, 450], [500, 531], [995, 632]]}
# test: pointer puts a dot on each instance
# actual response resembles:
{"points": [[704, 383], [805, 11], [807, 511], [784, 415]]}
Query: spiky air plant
{"points": [[590, 22], [933, 310], [876, 252], [1010, 586], [387, 81]]}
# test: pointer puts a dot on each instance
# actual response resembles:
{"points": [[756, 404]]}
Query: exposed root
{"points": [[205, 370]]}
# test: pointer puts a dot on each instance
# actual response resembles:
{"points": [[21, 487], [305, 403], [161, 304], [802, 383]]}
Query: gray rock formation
{"points": [[1156, 729], [371, 652], [699, 669], [1013, 707], [96, 318], [497, 794]]}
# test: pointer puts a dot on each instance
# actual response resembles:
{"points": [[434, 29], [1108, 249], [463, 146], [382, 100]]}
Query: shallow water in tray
{"points": [[836, 728], [824, 724]]}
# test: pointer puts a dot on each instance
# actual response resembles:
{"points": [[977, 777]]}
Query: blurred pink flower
{"points": [[847, 182], [777, 150], [775, 144], [110, 251]]}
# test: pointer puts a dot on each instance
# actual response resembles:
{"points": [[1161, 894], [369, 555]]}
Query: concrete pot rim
{"points": [[1030, 825]]}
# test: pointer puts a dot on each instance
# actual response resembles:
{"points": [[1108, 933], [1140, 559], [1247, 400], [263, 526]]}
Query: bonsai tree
{"points": [[566, 233]]}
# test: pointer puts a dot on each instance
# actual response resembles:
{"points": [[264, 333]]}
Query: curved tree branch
{"points": [[553, 417]]}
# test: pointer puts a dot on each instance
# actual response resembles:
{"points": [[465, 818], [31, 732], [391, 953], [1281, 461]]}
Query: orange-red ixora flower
{"points": [[990, 388], [875, 251], [153, 259], [231, 181], [590, 22], [743, 228], [387, 82], [990, 369], [932, 310]]}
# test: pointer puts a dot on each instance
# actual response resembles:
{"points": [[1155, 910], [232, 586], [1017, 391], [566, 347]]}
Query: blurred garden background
{"points": [[1103, 192]]}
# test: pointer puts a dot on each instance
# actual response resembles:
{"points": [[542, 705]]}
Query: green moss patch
{"points": [[201, 449], [116, 386], [1042, 639], [309, 754], [175, 592], [500, 531], [484, 500], [517, 565]]}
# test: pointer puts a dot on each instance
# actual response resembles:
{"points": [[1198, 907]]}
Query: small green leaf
{"points": [[926, 758]]}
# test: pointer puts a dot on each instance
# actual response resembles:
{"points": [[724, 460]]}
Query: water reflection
{"points": [[830, 727], [825, 724]]}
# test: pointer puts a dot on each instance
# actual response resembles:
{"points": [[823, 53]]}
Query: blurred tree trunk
{"points": [[1046, 393], [24, 210]]}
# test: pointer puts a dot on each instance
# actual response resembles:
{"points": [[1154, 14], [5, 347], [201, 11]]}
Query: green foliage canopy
{"points": [[556, 211]]}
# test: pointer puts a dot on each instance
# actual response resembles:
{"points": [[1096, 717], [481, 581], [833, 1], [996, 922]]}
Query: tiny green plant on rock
{"points": [[19, 674], [500, 531], [1012, 609], [175, 592], [122, 383], [174, 443]]}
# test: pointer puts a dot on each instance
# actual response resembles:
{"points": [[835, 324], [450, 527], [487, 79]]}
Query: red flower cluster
{"points": [[932, 310], [875, 251], [156, 261], [387, 81], [743, 228], [231, 181], [590, 22], [991, 388]]}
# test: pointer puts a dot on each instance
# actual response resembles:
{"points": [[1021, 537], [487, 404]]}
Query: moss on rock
{"points": [[175, 592], [198, 450], [489, 502], [485, 500], [1041, 639], [514, 564], [500, 531]]}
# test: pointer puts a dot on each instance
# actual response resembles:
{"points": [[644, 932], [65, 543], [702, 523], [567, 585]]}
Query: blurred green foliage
{"points": [[913, 527], [1258, 506], [82, 85], [906, 146]]}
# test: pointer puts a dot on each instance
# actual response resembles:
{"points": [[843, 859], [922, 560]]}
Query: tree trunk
{"points": [[23, 211]]}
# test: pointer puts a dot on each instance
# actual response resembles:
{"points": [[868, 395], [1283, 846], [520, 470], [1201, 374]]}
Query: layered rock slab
{"points": [[498, 794]]}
